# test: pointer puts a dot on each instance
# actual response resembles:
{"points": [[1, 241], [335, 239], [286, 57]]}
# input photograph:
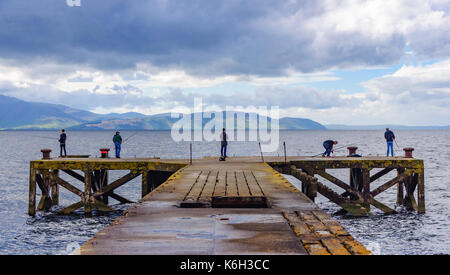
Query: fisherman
{"points": [[328, 144], [62, 143], [117, 139], [390, 137], [223, 144]]}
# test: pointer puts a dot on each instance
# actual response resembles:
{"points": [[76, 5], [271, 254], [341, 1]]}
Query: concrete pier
{"points": [[180, 216], [240, 206]]}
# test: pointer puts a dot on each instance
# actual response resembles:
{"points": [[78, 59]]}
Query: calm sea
{"points": [[404, 233]]}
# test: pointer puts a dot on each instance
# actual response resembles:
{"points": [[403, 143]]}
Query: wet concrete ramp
{"points": [[201, 210]]}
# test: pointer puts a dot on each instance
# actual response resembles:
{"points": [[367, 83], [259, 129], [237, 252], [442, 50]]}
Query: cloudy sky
{"points": [[337, 62]]}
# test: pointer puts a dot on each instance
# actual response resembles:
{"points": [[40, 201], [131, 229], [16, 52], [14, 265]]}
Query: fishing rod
{"points": [[132, 135], [335, 149], [398, 147], [44, 137]]}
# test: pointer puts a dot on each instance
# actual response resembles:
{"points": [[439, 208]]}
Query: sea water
{"points": [[47, 233]]}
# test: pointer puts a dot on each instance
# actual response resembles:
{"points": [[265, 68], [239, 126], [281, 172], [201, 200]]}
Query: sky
{"points": [[337, 62]]}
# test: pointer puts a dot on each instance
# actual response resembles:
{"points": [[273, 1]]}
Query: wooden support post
{"points": [[145, 183], [55, 187], [366, 188], [313, 188], [32, 192], [45, 203], [421, 191], [104, 181], [87, 191], [400, 196]]}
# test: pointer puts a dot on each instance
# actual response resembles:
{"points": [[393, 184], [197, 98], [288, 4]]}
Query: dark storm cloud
{"points": [[202, 37]]}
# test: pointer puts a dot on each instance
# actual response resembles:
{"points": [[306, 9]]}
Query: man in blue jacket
{"points": [[390, 137], [328, 145]]}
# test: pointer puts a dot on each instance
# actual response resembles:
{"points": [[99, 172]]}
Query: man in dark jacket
{"points": [[117, 139], [62, 143], [328, 145], [390, 137], [223, 143]]}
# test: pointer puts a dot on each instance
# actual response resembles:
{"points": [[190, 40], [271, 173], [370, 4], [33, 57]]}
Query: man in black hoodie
{"points": [[62, 143]]}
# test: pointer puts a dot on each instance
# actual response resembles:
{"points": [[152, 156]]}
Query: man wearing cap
{"points": [[117, 139]]}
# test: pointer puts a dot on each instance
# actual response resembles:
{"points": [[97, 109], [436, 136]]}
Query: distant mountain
{"points": [[16, 114], [382, 127], [165, 122], [291, 123]]}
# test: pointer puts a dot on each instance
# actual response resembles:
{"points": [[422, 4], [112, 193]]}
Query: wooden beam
{"points": [[104, 182], [421, 190], [366, 187], [400, 195], [145, 184], [71, 208], [41, 184], [100, 206], [338, 182], [354, 208], [87, 191], [116, 184], [309, 182], [32, 193], [45, 202], [69, 187], [119, 198], [380, 174], [382, 207], [54, 186], [389, 184], [73, 174]]}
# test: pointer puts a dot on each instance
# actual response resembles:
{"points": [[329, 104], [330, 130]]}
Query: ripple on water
{"points": [[404, 233]]}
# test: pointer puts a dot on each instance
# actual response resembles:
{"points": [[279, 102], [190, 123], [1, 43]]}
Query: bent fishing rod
{"points": [[132, 135], [335, 149], [398, 147]]}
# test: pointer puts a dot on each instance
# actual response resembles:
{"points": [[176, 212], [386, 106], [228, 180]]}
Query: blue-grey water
{"points": [[47, 233]]}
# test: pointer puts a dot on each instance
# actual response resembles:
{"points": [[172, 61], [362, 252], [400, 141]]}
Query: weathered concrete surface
{"points": [[158, 225]]}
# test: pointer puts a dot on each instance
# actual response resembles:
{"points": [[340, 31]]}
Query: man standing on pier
{"points": [[62, 143], [390, 137], [223, 144], [117, 139], [328, 144]]}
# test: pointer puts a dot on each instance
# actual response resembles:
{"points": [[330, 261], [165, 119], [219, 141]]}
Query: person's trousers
{"points": [[390, 146], [118, 148], [62, 147], [223, 150], [327, 150]]}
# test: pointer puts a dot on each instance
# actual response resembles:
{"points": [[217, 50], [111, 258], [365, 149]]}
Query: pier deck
{"points": [[240, 206], [194, 212]]}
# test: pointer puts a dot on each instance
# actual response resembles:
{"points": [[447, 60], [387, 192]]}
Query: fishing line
{"points": [[132, 135], [339, 148], [44, 137]]}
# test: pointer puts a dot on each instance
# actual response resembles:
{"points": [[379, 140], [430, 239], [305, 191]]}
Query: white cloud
{"points": [[270, 49]]}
